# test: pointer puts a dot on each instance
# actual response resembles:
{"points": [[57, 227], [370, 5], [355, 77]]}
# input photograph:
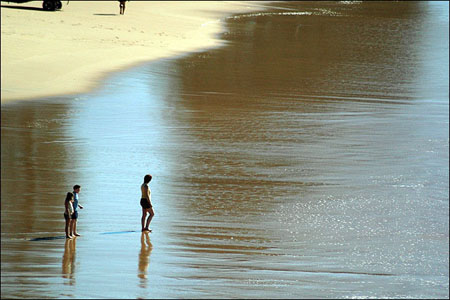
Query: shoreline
{"points": [[72, 50]]}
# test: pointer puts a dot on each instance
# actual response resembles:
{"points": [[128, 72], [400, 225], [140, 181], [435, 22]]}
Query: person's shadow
{"points": [[144, 258], [68, 260]]}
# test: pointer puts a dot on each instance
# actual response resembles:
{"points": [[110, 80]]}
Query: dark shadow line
{"points": [[105, 15], [49, 238], [23, 7]]}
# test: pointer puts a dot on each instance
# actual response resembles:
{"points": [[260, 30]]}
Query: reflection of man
{"points": [[144, 257], [68, 260]]}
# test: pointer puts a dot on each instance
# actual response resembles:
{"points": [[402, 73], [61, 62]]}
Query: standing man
{"points": [[146, 203], [122, 7], [76, 191]]}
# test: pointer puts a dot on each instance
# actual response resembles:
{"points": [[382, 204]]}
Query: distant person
{"points": [[68, 211], [122, 7], [146, 203], [76, 205]]}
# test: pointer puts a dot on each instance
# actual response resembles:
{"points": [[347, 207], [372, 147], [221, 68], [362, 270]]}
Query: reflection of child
{"points": [[68, 260], [68, 211]]}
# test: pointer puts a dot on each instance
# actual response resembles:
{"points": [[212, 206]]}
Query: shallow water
{"points": [[308, 158]]}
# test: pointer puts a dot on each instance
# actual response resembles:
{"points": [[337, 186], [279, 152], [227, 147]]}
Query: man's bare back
{"points": [[146, 193]]}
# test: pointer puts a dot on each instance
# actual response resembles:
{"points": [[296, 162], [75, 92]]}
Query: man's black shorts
{"points": [[145, 204], [75, 215]]}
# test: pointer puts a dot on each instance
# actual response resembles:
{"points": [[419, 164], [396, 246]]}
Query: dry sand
{"points": [[69, 51]]}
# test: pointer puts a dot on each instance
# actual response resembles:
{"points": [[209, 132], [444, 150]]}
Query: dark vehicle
{"points": [[50, 5]]}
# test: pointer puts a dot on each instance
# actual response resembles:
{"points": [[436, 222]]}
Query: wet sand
{"points": [[303, 160], [69, 51]]}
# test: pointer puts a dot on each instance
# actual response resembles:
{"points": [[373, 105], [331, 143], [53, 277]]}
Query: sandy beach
{"points": [[68, 51]]}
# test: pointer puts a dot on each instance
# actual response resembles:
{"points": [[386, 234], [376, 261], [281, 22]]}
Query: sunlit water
{"points": [[308, 157]]}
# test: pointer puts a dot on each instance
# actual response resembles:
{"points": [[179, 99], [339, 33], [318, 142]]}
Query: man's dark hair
{"points": [[147, 178], [76, 186]]}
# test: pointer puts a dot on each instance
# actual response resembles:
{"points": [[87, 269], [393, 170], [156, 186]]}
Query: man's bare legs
{"points": [[149, 219], [74, 228], [144, 214]]}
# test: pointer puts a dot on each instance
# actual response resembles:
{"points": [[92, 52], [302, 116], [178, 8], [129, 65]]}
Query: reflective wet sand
{"points": [[307, 158]]}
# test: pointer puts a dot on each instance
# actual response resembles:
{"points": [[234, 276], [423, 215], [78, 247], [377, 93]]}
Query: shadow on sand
{"points": [[24, 7], [105, 15]]}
